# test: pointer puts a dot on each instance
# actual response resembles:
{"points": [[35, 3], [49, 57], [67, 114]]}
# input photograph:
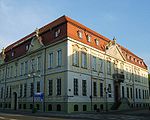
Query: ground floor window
{"points": [[24, 106], [75, 107], [38, 106], [19, 106], [58, 107], [9, 105], [30, 106], [95, 107], [49, 107], [101, 107], [84, 108]]}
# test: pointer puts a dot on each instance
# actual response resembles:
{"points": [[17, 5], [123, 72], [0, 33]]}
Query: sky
{"points": [[127, 20]]}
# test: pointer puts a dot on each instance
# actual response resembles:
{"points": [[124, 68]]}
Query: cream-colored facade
{"points": [[74, 77]]}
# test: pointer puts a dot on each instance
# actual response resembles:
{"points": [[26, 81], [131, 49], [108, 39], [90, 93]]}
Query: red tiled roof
{"points": [[71, 33]]}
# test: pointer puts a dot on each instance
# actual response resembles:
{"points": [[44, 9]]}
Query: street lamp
{"points": [[33, 75]]}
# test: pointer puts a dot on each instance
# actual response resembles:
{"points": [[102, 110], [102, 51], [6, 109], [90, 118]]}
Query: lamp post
{"points": [[33, 75]]}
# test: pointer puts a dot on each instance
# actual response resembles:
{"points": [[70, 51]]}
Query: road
{"points": [[126, 115]]}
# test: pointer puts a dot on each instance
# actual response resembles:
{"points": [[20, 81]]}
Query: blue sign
{"points": [[40, 95]]}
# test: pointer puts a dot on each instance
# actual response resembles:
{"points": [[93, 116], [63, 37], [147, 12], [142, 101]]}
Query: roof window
{"points": [[79, 34]]}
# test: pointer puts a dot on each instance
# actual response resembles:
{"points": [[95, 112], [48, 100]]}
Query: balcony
{"points": [[118, 77]]}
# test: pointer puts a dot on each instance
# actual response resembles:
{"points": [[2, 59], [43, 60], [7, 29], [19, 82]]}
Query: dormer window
{"points": [[97, 41], [12, 54], [79, 34], [134, 59], [27, 47], [130, 58], [88, 38], [57, 32]]}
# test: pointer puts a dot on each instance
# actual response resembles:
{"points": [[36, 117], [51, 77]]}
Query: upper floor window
{"points": [[75, 86], [84, 87], [39, 65], [59, 86], [50, 60], [38, 86], [79, 34], [108, 67], [59, 57], [21, 68], [88, 38], [75, 58], [83, 60], [94, 89], [97, 41], [12, 54], [94, 63], [27, 47], [26, 67], [100, 65], [109, 90], [57, 32], [50, 92]]}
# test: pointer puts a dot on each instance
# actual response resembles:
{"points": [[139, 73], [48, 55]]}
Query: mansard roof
{"points": [[69, 28]]}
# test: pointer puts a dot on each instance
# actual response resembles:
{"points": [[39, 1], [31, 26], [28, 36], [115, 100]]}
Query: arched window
{"points": [[58, 107], [75, 107], [84, 107], [95, 107], [101, 107], [49, 107]]}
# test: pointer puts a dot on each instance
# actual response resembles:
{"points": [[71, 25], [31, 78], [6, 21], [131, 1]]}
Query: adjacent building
{"points": [[76, 68]]}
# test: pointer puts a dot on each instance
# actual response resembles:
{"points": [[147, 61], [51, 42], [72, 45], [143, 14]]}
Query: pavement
{"points": [[110, 115]]}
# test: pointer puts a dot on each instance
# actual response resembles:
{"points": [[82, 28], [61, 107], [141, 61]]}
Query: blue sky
{"points": [[127, 20]]}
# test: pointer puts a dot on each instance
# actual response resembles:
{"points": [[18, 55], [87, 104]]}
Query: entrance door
{"points": [[117, 93], [15, 100]]}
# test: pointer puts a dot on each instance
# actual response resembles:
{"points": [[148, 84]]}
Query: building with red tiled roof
{"points": [[75, 67]]}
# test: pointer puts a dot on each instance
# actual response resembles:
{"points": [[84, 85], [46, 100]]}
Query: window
{"points": [[31, 90], [95, 107], [75, 86], [12, 54], [100, 65], [94, 63], [127, 75], [79, 34], [59, 86], [27, 47], [84, 108], [20, 90], [143, 94], [21, 69], [97, 41], [75, 58], [26, 67], [75, 107], [57, 32], [11, 71], [58, 107], [59, 57], [94, 89], [24, 106], [127, 92], [101, 89], [38, 86], [139, 94], [88, 38], [84, 87], [136, 93], [25, 90], [2, 92], [50, 87], [39, 66], [50, 60], [49, 107], [108, 67], [38, 106], [122, 91], [84, 60], [109, 90], [7, 92], [10, 92], [131, 93]]}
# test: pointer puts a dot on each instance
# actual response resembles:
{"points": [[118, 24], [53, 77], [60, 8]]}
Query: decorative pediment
{"points": [[113, 50], [36, 43]]}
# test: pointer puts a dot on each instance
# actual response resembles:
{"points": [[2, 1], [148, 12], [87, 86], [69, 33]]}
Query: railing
{"points": [[118, 77]]}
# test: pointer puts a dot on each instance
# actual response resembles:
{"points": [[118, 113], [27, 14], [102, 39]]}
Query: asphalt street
{"points": [[111, 115]]}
